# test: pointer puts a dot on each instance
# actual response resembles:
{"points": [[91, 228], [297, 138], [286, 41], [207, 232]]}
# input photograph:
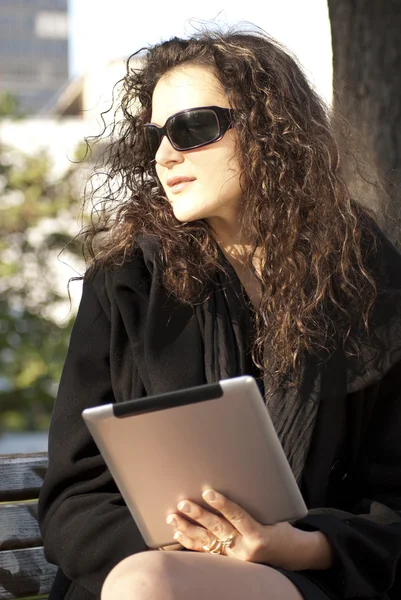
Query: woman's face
{"points": [[215, 191]]}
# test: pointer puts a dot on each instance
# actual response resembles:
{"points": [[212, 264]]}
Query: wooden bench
{"points": [[24, 571]]}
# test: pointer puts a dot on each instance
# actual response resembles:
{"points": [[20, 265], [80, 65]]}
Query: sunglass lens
{"points": [[152, 140], [192, 129]]}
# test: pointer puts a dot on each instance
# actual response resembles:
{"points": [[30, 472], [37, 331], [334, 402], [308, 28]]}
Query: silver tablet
{"points": [[170, 447]]}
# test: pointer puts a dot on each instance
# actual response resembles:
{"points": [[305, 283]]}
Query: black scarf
{"points": [[226, 323]]}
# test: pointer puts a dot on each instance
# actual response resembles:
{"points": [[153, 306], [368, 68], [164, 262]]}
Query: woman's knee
{"points": [[140, 577]]}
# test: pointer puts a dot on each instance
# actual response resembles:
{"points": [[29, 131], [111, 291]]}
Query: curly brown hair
{"points": [[307, 230]]}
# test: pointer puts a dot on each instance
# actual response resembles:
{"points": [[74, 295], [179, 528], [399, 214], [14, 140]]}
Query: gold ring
{"points": [[214, 548], [217, 549], [230, 540], [220, 546]]}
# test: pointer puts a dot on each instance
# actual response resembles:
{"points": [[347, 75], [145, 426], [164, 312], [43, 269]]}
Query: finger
{"points": [[196, 537], [233, 513], [217, 525], [187, 542]]}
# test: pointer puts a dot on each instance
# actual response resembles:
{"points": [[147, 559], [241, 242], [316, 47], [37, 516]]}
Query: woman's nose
{"points": [[167, 154]]}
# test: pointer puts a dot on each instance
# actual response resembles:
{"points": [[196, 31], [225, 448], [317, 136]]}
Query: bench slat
{"points": [[21, 475], [25, 573], [19, 526]]}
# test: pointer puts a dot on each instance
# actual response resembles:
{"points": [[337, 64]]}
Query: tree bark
{"points": [[366, 41]]}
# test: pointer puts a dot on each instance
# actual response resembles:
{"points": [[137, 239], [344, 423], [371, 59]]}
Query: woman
{"points": [[228, 244]]}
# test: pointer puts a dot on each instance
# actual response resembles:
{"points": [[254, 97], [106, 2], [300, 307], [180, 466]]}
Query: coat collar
{"points": [[348, 370]]}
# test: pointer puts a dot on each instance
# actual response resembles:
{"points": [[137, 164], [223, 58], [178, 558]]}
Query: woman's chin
{"points": [[185, 216]]}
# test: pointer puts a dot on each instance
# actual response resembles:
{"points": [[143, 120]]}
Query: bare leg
{"points": [[182, 575]]}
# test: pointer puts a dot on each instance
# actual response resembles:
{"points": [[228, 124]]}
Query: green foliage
{"points": [[38, 217], [8, 105], [33, 350]]}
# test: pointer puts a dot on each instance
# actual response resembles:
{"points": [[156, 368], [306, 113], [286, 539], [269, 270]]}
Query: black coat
{"points": [[131, 339]]}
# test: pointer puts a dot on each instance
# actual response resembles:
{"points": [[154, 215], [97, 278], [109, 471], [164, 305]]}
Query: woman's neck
{"points": [[233, 241], [236, 248]]}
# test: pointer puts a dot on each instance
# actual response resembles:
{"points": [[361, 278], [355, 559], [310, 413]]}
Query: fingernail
{"points": [[177, 535], [171, 520], [209, 495], [184, 507]]}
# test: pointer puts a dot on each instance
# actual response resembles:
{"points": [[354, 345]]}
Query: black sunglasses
{"points": [[190, 128]]}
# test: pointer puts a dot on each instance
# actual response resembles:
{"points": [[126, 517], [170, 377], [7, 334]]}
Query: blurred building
{"points": [[94, 92], [73, 114], [33, 51]]}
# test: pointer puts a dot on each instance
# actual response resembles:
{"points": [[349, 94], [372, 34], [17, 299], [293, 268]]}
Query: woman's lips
{"points": [[178, 187]]}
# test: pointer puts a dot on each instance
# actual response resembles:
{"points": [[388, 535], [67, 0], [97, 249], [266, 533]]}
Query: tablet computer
{"points": [[171, 447]]}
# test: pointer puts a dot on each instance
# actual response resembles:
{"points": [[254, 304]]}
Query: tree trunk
{"points": [[366, 41]]}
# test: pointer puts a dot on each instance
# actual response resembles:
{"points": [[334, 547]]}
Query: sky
{"points": [[102, 30]]}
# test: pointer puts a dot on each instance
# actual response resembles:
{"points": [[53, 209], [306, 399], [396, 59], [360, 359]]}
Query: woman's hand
{"points": [[280, 545]]}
